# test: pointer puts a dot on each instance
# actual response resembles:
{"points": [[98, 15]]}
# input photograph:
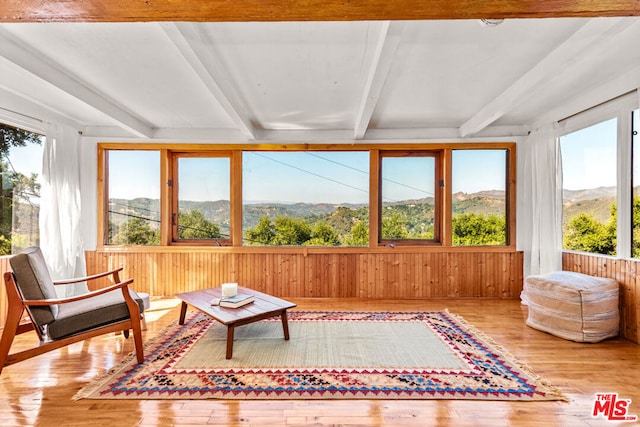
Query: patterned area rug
{"points": [[331, 355]]}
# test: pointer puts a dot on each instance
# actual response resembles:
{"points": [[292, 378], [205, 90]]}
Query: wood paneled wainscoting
{"points": [[313, 272], [625, 272]]}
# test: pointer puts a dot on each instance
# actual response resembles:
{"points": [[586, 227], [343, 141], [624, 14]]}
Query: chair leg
{"points": [[14, 315], [143, 322]]}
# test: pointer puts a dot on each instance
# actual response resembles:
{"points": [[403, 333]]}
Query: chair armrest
{"points": [[54, 301], [86, 278]]}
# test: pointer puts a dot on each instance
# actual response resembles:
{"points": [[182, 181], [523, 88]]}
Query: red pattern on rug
{"points": [[491, 375]]}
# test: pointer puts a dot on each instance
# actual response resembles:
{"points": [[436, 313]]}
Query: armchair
{"points": [[63, 321]]}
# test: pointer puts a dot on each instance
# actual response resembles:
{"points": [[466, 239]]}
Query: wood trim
{"points": [[101, 196], [375, 201], [166, 194], [236, 199], [447, 198], [408, 146], [510, 204], [314, 10]]}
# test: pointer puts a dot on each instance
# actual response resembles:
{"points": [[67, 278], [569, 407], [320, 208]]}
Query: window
{"points": [[201, 194], [409, 200], [20, 171], [309, 198], [133, 195], [589, 188], [479, 208]]}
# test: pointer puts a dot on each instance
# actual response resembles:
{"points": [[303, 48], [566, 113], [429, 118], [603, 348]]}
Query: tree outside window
{"points": [[20, 152]]}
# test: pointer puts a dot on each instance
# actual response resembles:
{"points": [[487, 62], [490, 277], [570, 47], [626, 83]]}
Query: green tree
{"points": [[16, 188], [394, 227], [476, 229], [323, 235], [15, 137], [587, 234], [636, 227], [291, 231], [285, 231], [359, 235], [193, 225], [263, 234], [136, 231]]}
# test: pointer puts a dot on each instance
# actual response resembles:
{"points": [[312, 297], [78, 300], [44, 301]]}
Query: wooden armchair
{"points": [[63, 321]]}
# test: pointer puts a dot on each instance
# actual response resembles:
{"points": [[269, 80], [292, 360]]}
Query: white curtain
{"points": [[60, 207], [541, 199]]}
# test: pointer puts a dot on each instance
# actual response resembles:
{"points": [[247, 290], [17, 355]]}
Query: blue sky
{"points": [[311, 177], [589, 157], [27, 159]]}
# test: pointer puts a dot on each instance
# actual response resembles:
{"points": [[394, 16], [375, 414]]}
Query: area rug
{"points": [[331, 355]]}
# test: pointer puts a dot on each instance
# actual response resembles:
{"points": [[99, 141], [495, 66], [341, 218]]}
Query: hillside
{"points": [[341, 217]]}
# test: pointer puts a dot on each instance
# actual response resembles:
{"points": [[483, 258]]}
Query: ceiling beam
{"points": [[35, 63], [385, 52], [195, 48], [589, 35], [309, 10]]}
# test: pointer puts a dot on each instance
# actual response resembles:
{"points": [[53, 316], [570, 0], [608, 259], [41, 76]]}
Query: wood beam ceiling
{"points": [[302, 10]]}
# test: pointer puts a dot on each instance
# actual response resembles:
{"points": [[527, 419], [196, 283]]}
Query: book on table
{"points": [[236, 301]]}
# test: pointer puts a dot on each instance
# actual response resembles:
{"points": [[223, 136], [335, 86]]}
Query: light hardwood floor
{"points": [[38, 391]]}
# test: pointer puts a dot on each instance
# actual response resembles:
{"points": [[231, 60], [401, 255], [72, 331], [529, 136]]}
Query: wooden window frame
{"points": [[174, 184], [437, 155], [376, 152]]}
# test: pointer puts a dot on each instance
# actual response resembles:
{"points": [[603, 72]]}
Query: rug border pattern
{"points": [[493, 373]]}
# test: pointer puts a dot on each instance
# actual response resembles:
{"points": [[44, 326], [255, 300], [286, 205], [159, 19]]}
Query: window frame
{"points": [[174, 184], [376, 152], [438, 184]]}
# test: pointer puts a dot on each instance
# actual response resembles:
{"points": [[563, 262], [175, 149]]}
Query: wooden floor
{"points": [[38, 391]]}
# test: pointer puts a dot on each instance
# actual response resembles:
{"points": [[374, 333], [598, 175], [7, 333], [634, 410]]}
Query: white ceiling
{"points": [[320, 81]]}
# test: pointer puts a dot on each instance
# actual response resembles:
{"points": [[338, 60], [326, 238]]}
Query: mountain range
{"points": [[595, 201]]}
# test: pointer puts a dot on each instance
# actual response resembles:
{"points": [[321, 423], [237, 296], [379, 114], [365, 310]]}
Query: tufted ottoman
{"points": [[573, 306]]}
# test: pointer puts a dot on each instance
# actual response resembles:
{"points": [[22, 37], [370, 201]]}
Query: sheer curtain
{"points": [[541, 196], [60, 207]]}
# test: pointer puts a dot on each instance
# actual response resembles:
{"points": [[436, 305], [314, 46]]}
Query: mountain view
{"points": [[484, 203], [594, 201]]}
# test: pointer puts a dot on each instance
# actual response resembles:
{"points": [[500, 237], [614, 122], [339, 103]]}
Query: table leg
{"points": [[230, 330], [285, 324], [183, 312]]}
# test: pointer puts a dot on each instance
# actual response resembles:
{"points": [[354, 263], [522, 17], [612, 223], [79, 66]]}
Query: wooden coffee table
{"points": [[263, 307]]}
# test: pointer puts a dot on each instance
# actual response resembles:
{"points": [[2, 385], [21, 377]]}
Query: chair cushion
{"points": [[90, 313], [34, 281]]}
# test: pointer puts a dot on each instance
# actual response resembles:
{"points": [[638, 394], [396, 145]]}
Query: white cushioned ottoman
{"points": [[573, 306]]}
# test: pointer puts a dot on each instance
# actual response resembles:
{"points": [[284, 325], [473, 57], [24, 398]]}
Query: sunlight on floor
{"points": [[160, 307]]}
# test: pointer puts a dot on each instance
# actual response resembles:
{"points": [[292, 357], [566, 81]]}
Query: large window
{"points": [[133, 195], [479, 201], [326, 196], [409, 211], [589, 188], [20, 173], [201, 194], [309, 198]]}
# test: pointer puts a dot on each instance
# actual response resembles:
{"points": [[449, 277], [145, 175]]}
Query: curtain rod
{"points": [[593, 107], [22, 115]]}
